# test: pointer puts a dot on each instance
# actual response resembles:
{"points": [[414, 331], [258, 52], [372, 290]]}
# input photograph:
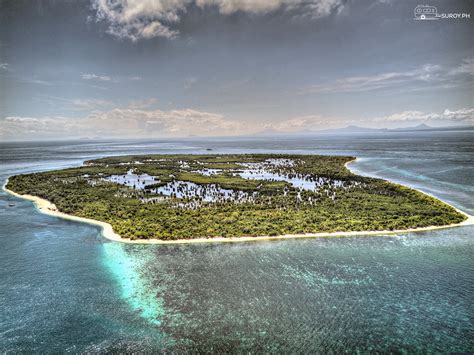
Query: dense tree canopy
{"points": [[343, 201]]}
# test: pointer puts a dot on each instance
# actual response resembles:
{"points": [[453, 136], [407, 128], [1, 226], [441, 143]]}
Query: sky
{"points": [[180, 68]]}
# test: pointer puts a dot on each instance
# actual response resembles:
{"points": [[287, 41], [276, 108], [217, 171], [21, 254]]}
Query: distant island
{"points": [[182, 197]]}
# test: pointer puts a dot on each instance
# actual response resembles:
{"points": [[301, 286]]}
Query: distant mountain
{"points": [[422, 126], [350, 130], [425, 127]]}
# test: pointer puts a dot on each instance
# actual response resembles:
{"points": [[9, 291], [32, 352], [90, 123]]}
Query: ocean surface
{"points": [[63, 287]]}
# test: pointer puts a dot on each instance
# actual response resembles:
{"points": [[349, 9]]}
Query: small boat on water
{"points": [[11, 204]]}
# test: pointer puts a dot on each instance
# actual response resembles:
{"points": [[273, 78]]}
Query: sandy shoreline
{"points": [[46, 207]]}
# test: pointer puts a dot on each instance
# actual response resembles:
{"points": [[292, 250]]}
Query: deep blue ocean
{"points": [[64, 288]]}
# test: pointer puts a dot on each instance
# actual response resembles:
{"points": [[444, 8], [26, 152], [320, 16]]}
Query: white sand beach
{"points": [[49, 208]]}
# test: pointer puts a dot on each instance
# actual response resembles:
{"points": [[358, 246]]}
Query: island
{"points": [[209, 196]]}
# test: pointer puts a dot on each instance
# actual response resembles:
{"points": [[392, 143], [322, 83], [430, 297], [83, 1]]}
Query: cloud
{"points": [[227, 7], [407, 116], [141, 104], [90, 104], [427, 76], [297, 124], [318, 122], [314, 9], [461, 116], [121, 122], [140, 123], [140, 19], [426, 73], [14, 127], [106, 78], [466, 67], [91, 76], [132, 122], [34, 80], [144, 19], [83, 104], [311, 8]]}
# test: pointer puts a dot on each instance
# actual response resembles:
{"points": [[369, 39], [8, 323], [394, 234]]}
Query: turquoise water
{"points": [[65, 288], [134, 286]]}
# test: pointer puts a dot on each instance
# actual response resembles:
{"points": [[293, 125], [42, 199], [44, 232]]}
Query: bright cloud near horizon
{"points": [[178, 68]]}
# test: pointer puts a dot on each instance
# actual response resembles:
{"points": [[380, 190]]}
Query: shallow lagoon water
{"points": [[175, 188], [64, 287], [299, 182]]}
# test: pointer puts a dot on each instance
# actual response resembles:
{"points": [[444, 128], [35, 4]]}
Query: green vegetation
{"points": [[341, 201]]}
